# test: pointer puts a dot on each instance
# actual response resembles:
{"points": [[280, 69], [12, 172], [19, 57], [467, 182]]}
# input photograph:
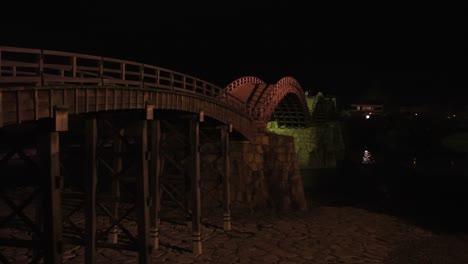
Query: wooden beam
{"points": [[1, 109], [41, 68], [155, 173], [106, 100], [195, 185], [86, 100], [142, 202], [73, 66], [226, 178], [129, 99], [76, 101], [96, 100], [51, 103], [91, 182], [114, 107], [61, 118], [18, 107], [149, 111], [117, 167]]}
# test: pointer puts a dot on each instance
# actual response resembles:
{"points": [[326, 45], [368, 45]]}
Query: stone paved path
{"points": [[321, 235]]}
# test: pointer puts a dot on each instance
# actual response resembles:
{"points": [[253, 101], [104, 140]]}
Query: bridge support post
{"points": [[227, 177], [117, 166], [195, 185], [155, 173], [51, 215], [53, 187], [52, 206], [143, 199], [91, 183]]}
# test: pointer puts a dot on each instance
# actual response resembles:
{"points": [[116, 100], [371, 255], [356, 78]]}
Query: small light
{"points": [[367, 116], [415, 114], [453, 115]]}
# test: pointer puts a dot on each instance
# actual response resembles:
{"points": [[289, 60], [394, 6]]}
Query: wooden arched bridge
{"points": [[104, 102], [35, 81]]}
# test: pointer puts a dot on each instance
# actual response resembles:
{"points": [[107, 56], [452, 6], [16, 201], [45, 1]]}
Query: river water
{"points": [[401, 170]]}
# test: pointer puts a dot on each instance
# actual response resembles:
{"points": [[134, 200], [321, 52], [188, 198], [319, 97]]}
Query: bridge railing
{"points": [[243, 80], [25, 66]]}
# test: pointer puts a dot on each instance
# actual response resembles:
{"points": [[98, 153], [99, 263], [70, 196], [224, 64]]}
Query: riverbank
{"points": [[324, 234]]}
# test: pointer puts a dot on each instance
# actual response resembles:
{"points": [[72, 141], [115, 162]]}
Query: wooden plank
{"points": [[195, 185], [21, 64], [226, 178], [155, 173], [67, 79], [122, 82], [91, 182], [142, 205]]}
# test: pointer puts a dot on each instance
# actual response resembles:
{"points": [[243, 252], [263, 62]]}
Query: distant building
{"points": [[366, 110]]}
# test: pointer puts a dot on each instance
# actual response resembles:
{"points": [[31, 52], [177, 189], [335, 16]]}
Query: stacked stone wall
{"points": [[266, 175], [316, 147]]}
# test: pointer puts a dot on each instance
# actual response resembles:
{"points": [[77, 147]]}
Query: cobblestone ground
{"points": [[321, 235]]}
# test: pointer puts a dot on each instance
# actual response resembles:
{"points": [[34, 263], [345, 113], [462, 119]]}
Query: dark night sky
{"points": [[408, 53]]}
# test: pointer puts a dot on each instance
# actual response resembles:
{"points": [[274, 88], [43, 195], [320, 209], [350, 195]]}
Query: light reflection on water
{"points": [[367, 157]]}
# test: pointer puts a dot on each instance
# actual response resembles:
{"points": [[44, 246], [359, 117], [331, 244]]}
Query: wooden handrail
{"points": [[26, 65]]}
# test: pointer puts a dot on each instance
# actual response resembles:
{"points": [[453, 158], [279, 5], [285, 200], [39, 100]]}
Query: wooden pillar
{"points": [[155, 173], [53, 186], [195, 185], [1, 108], [117, 167], [52, 207], [91, 183], [226, 177], [142, 203]]}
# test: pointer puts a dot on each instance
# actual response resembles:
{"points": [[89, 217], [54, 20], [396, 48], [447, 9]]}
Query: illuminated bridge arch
{"points": [[249, 80], [284, 101], [286, 104]]}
